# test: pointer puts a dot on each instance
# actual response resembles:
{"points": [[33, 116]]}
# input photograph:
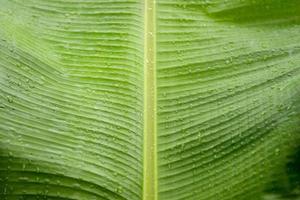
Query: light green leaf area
{"points": [[228, 97], [72, 99]]}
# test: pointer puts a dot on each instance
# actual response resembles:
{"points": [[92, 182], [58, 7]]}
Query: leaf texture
{"points": [[228, 96], [225, 83], [71, 99]]}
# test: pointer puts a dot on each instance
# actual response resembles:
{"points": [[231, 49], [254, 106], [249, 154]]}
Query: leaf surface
{"points": [[167, 100]]}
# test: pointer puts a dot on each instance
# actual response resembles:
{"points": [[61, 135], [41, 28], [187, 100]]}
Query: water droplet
{"points": [[9, 99]]}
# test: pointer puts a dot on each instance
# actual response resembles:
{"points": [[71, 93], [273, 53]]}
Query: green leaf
{"points": [[165, 100]]}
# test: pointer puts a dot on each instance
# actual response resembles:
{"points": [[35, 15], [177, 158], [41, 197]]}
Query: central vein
{"points": [[150, 165]]}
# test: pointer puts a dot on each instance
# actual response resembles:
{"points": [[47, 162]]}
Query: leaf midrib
{"points": [[150, 158]]}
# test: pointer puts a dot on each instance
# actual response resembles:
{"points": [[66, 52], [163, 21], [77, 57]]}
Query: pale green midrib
{"points": [[150, 159]]}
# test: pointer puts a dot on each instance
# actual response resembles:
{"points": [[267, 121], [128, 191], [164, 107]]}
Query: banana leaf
{"points": [[152, 100]]}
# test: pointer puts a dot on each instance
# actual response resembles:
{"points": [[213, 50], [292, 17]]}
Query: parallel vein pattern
{"points": [[71, 99], [228, 75]]}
